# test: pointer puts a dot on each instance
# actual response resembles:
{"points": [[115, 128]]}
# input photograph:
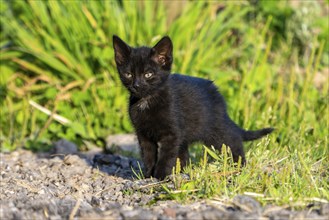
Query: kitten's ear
{"points": [[162, 53], [121, 50]]}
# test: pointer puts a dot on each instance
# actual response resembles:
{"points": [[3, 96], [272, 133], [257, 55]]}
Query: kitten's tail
{"points": [[253, 135]]}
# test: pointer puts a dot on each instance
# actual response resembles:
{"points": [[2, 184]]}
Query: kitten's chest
{"points": [[143, 105], [150, 117]]}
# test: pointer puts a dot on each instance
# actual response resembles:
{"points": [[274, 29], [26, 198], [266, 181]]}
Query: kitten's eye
{"points": [[128, 75], [148, 75]]}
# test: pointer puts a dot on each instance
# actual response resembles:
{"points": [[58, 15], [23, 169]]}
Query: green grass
{"points": [[59, 55]]}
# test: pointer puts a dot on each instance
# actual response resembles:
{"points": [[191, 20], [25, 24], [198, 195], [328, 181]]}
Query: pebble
{"points": [[71, 159], [42, 192], [170, 212]]}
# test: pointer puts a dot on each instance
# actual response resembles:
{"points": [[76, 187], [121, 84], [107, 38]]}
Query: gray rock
{"points": [[106, 159], [194, 215], [65, 147], [95, 201], [131, 214], [112, 205], [112, 169], [324, 210], [213, 215], [146, 215], [122, 142], [55, 217], [247, 203], [170, 212], [124, 162]]}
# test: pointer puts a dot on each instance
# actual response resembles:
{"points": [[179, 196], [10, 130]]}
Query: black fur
{"points": [[171, 111]]}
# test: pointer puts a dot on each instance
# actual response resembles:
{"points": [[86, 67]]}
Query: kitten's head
{"points": [[143, 70]]}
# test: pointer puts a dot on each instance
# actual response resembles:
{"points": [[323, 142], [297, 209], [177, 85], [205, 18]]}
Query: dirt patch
{"points": [[96, 185]]}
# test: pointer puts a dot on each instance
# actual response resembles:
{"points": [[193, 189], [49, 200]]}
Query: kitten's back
{"points": [[197, 90], [202, 111], [198, 106]]}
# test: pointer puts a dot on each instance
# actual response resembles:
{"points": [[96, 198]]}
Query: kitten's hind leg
{"points": [[234, 143], [236, 147], [183, 155], [149, 154]]}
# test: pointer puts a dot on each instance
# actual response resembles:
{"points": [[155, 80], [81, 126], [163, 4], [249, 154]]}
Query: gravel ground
{"points": [[66, 184]]}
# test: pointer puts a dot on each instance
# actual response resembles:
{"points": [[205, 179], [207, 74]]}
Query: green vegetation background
{"points": [[269, 58]]}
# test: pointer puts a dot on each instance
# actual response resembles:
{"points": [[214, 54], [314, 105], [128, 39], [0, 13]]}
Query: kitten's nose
{"points": [[136, 84]]}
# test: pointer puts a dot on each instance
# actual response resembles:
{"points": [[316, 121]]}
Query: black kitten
{"points": [[171, 111]]}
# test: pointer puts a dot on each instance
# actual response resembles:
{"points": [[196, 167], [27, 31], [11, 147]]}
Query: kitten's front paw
{"points": [[160, 174], [149, 172]]}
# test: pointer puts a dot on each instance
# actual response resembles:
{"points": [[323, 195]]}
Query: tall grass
{"points": [[59, 55]]}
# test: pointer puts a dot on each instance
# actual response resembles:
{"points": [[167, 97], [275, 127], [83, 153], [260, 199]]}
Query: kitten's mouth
{"points": [[137, 93]]}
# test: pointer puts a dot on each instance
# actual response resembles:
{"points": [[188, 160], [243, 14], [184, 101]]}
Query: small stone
{"points": [[71, 159], [247, 203], [55, 217], [95, 201], [170, 212], [324, 210], [194, 215], [41, 192], [277, 213], [213, 215], [105, 159], [65, 147], [109, 169], [17, 215], [145, 215], [131, 214], [112, 205], [106, 196], [124, 162]]}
